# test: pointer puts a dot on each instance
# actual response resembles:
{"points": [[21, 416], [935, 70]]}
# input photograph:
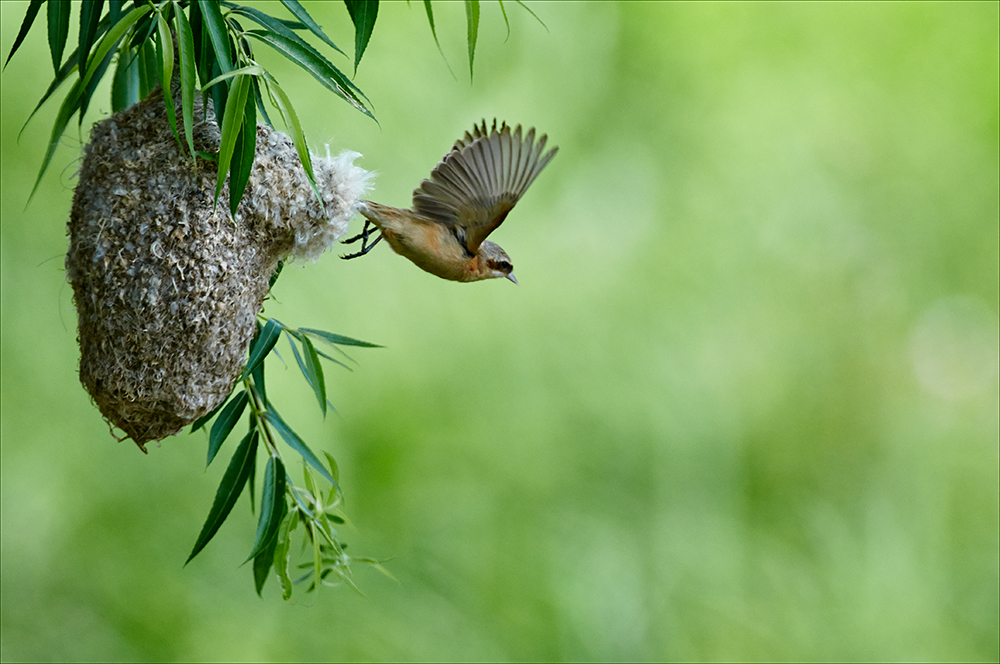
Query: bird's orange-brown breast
{"points": [[432, 247]]}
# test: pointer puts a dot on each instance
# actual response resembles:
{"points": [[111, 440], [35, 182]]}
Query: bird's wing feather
{"points": [[477, 184]]}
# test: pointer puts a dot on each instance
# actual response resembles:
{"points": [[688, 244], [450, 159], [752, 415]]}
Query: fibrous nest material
{"points": [[167, 285]]}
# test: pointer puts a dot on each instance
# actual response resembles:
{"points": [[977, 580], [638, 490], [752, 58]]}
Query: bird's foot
{"points": [[363, 236]]}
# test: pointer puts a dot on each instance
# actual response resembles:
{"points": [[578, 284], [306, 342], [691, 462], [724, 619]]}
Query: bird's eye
{"points": [[499, 265]]}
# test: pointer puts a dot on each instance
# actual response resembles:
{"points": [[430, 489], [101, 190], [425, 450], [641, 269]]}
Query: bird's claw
{"points": [[363, 236]]}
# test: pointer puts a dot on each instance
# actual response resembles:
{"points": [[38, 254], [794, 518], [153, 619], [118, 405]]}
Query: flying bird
{"points": [[469, 193]]}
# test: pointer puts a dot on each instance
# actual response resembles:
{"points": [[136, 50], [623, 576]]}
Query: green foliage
{"points": [[76, 99], [58, 15], [363, 14], [229, 490], [224, 424], [317, 513], [29, 18], [213, 48], [281, 502], [272, 506], [213, 32], [472, 16]]}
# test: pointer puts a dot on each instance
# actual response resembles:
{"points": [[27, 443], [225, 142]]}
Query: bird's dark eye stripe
{"points": [[501, 265]]}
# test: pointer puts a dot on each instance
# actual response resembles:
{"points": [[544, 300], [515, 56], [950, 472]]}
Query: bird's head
{"points": [[494, 262]]}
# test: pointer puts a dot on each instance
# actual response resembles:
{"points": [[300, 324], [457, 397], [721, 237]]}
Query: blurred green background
{"points": [[744, 404]]}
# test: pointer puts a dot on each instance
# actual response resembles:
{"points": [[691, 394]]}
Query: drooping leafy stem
{"points": [[283, 504]]}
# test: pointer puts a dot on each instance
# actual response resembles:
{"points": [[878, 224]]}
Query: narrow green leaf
{"points": [[338, 338], [110, 39], [253, 466], [228, 492], [224, 424], [69, 106], [203, 55], [299, 25], [298, 358], [91, 87], [295, 442], [96, 68], [302, 505], [165, 51], [250, 70], [363, 14], [319, 67], [218, 33], [307, 20], [144, 29], [329, 533], [342, 352], [67, 69], [201, 421], [275, 275], [272, 505], [57, 13], [333, 359], [73, 99], [317, 561], [240, 42], [29, 19], [125, 84], [264, 560], [272, 24], [528, 9], [315, 371], [208, 66], [295, 129], [334, 468], [430, 20], [263, 113], [189, 70], [472, 19], [148, 69], [115, 10], [90, 16], [265, 342], [506, 22], [282, 553], [336, 496], [243, 155], [257, 329], [232, 122], [376, 564], [219, 95], [258, 382], [310, 482], [313, 60]]}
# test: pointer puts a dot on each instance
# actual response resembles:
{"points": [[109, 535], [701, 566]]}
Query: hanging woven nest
{"points": [[167, 285]]}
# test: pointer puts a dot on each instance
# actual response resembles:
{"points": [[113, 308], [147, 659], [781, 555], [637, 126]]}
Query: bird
{"points": [[468, 195]]}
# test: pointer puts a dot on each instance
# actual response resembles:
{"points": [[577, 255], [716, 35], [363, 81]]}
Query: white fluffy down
{"points": [[280, 193]]}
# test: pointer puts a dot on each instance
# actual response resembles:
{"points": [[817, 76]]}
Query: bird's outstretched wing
{"points": [[476, 184]]}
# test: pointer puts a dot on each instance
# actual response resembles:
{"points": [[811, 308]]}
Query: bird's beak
{"points": [[511, 277]]}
